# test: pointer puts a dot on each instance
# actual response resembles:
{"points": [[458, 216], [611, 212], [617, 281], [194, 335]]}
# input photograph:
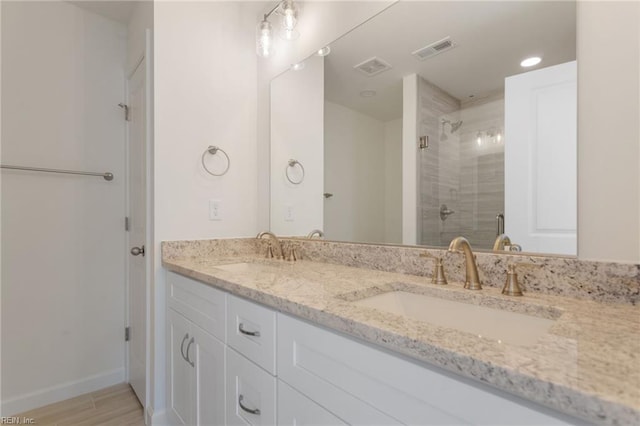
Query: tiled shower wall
{"points": [[481, 172], [438, 164], [458, 172]]}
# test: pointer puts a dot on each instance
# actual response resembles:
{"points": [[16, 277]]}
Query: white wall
{"points": [[409, 159], [608, 131], [205, 94], [393, 181], [62, 236], [141, 19], [297, 132], [355, 174]]}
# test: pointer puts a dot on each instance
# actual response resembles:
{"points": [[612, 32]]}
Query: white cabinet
{"points": [[196, 374], [209, 358], [203, 305], [181, 377], [251, 330], [341, 374], [251, 392], [224, 353], [196, 358], [295, 409]]}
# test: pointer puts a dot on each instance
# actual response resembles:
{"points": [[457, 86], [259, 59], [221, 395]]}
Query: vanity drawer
{"points": [[251, 392], [251, 330], [324, 365], [295, 409], [203, 305]]}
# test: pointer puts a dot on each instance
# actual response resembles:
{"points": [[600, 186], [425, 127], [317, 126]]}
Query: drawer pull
{"points": [[255, 411], [248, 333], [184, 339], [187, 352]]}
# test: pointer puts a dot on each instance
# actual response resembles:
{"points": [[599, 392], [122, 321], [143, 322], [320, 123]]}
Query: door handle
{"points": [[137, 251]]}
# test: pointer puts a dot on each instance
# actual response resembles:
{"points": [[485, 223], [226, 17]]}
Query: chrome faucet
{"points": [[461, 244], [315, 232], [277, 242]]}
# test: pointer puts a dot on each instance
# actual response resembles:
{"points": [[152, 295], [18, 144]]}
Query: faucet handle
{"points": [[438, 276], [292, 253], [511, 285], [269, 251]]}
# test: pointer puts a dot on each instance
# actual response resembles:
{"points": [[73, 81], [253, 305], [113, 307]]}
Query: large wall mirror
{"points": [[436, 88]]}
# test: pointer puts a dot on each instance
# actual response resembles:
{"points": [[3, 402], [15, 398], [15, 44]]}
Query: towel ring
{"points": [[291, 164], [213, 150]]}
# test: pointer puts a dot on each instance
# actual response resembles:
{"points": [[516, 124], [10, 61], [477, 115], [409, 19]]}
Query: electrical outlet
{"points": [[215, 210], [289, 213]]}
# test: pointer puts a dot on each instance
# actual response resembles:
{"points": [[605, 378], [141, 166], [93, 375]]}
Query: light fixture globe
{"points": [[264, 39], [289, 15], [324, 51]]}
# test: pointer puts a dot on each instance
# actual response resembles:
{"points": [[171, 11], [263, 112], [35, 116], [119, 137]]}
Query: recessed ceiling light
{"points": [[529, 62], [368, 93], [324, 51]]}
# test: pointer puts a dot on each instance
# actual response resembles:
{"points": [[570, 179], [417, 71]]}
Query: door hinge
{"points": [[127, 333], [126, 111], [126, 223]]}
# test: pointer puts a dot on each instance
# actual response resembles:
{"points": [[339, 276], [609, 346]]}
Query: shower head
{"points": [[453, 125]]}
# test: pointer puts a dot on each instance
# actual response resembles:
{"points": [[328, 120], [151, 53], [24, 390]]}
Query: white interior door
{"points": [[137, 232], [540, 159]]}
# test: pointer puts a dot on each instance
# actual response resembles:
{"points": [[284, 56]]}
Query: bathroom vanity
{"points": [[265, 341]]}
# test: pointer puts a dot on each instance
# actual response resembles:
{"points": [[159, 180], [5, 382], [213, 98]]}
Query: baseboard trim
{"points": [[157, 419], [61, 392]]}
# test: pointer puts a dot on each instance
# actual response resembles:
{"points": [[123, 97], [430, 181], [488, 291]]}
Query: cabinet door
{"points": [[181, 374], [251, 392], [208, 356], [296, 409]]}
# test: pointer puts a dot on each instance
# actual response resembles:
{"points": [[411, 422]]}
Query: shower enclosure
{"points": [[461, 170]]}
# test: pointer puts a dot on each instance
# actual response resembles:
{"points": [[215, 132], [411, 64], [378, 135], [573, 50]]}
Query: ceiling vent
{"points": [[434, 48], [372, 66]]}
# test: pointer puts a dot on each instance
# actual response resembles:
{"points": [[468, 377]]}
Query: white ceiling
{"points": [[492, 38], [117, 10]]}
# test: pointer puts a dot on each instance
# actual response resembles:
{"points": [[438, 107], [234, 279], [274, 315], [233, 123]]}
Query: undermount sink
{"points": [[502, 326]]}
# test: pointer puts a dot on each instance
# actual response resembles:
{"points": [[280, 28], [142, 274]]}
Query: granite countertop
{"points": [[587, 365]]}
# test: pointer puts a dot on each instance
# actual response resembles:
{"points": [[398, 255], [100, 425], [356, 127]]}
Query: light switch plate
{"points": [[215, 210], [289, 213]]}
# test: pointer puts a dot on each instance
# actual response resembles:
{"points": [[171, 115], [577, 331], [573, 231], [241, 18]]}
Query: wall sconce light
{"points": [[264, 42], [289, 12], [264, 34], [490, 136]]}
